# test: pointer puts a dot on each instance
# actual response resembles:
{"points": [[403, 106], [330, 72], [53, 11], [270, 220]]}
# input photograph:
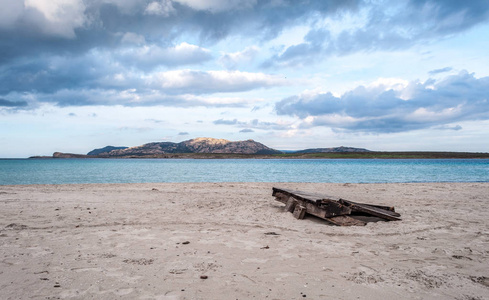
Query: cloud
{"points": [[131, 98], [7, 103], [96, 79], [205, 82], [255, 123], [68, 27], [246, 130], [154, 121], [225, 122], [160, 8], [150, 57], [304, 53], [136, 129], [418, 105], [216, 6], [262, 125], [383, 26], [34, 27], [126, 52], [183, 133], [133, 38], [438, 71], [11, 11], [232, 60], [58, 18], [448, 127]]}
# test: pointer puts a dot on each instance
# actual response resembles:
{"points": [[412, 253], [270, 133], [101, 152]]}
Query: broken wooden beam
{"points": [[299, 212], [371, 210], [335, 210]]}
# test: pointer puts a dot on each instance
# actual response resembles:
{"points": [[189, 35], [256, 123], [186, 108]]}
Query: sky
{"points": [[407, 75]]}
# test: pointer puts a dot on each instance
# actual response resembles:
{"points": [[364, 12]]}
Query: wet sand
{"points": [[234, 241]]}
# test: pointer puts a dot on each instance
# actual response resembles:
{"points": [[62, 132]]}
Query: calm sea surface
{"points": [[59, 171]]}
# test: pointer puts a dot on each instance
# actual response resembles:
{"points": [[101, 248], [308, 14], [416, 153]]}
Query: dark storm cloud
{"points": [[88, 24], [48, 74], [84, 25], [456, 98]]}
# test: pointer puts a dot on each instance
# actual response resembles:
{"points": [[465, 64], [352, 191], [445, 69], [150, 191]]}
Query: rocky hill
{"points": [[106, 149], [198, 145], [200, 148]]}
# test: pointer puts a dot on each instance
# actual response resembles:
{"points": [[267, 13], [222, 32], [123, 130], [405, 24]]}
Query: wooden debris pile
{"points": [[332, 209]]}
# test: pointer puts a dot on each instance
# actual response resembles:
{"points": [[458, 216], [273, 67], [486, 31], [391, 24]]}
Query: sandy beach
{"points": [[234, 241]]}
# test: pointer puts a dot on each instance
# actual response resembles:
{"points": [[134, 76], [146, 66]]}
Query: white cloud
{"points": [[235, 59], [161, 8], [201, 82], [396, 84], [394, 106], [62, 17], [149, 57]]}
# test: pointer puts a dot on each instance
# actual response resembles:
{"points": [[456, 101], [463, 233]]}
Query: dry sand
{"points": [[155, 241]]}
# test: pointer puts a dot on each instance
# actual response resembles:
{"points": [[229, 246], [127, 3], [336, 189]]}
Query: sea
{"points": [[72, 171]]}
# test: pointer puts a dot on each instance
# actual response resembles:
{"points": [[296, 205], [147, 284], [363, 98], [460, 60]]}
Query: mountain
{"points": [[198, 145], [198, 148], [333, 150], [106, 149]]}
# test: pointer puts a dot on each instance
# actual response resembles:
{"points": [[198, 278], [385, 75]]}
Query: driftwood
{"points": [[333, 209]]}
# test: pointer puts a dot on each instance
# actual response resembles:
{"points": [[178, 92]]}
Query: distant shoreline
{"points": [[331, 155]]}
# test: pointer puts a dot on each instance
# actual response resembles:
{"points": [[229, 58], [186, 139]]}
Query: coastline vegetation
{"points": [[387, 155]]}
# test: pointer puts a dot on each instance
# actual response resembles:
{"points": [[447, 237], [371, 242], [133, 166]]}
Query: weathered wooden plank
{"points": [[290, 205], [390, 209], [314, 210], [305, 196], [330, 209], [281, 197], [381, 209], [334, 208], [345, 221], [387, 208], [299, 212], [381, 213]]}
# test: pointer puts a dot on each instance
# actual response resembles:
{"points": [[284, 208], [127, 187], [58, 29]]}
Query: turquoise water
{"points": [[59, 171]]}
